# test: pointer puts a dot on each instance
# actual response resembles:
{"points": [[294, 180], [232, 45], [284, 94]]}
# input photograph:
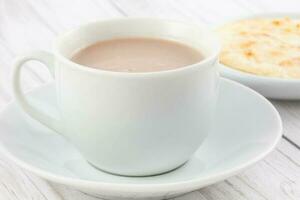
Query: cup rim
{"points": [[83, 68]]}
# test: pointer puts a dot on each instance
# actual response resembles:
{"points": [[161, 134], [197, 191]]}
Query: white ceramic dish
{"points": [[275, 88], [247, 129]]}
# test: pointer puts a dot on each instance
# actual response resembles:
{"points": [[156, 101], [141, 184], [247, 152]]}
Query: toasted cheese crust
{"points": [[261, 46]]}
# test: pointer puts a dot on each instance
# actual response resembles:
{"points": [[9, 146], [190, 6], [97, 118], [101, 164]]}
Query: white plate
{"points": [[247, 129], [276, 88]]}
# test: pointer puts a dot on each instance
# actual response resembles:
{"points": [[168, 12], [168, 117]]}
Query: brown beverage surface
{"points": [[137, 55]]}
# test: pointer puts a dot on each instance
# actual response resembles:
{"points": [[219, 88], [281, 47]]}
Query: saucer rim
{"points": [[149, 187]]}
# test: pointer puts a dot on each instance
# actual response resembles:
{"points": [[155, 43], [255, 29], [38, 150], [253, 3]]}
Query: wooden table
{"points": [[27, 24]]}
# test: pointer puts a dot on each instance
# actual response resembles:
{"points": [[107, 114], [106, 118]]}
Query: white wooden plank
{"points": [[276, 177], [15, 184], [286, 161], [30, 79], [71, 194], [193, 10], [290, 114], [279, 6], [68, 14], [32, 25], [27, 25]]}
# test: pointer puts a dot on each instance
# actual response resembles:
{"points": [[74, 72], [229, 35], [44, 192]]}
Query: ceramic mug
{"points": [[126, 123]]}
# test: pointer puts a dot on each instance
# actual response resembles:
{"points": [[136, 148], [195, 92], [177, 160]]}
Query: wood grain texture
{"points": [[33, 24], [290, 114]]}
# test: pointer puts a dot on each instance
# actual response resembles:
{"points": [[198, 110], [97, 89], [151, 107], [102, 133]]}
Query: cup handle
{"points": [[48, 60]]}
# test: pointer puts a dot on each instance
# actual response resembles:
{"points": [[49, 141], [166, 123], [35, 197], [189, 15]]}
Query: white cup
{"points": [[126, 123]]}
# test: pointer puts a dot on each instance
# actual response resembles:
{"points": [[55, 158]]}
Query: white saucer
{"points": [[247, 129], [275, 88]]}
